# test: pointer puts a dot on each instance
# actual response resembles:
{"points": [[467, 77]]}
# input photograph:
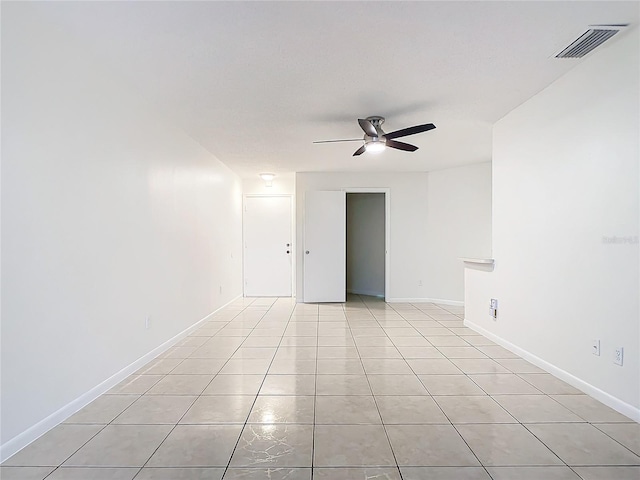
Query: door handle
{"points": [[288, 244], [307, 252], [287, 251]]}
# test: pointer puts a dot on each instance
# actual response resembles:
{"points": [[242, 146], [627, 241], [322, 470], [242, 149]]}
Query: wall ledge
{"points": [[17, 443], [478, 261], [618, 405]]}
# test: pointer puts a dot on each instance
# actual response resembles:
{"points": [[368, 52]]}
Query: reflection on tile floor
{"points": [[267, 389]]}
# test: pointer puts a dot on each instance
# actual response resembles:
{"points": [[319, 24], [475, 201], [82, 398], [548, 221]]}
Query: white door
{"points": [[324, 247], [267, 246]]}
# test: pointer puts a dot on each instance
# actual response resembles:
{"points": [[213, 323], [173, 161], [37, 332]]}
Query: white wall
{"points": [[458, 214], [109, 215], [365, 243], [412, 228], [566, 179]]}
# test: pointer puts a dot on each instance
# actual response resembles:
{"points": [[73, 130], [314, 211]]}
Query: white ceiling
{"points": [[256, 82]]}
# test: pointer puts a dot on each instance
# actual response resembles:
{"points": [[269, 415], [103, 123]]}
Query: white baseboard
{"points": [[442, 301], [618, 405], [17, 443]]}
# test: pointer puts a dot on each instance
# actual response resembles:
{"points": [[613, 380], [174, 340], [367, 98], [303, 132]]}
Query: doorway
{"points": [[366, 243], [268, 249], [324, 240]]}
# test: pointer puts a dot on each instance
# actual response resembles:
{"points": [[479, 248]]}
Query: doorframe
{"points": [[387, 228], [292, 235]]}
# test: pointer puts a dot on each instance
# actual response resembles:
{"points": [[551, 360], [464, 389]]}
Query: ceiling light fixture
{"points": [[375, 145], [268, 179]]}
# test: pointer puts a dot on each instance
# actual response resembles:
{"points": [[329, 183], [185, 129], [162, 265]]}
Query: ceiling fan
{"points": [[375, 140]]}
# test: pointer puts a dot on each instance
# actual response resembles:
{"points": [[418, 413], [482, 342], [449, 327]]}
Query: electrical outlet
{"points": [[147, 323], [419, 283], [618, 354], [595, 347]]}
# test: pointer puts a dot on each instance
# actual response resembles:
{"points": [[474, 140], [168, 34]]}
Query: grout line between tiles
{"points": [[259, 388], [375, 401], [315, 398], [76, 451]]}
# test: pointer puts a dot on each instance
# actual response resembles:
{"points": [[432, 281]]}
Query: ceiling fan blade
{"points": [[368, 127], [359, 151], [410, 131], [345, 140], [401, 146]]}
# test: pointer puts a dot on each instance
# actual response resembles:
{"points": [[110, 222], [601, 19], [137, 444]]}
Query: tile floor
{"points": [[366, 390]]}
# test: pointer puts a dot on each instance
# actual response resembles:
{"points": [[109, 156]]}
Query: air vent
{"points": [[589, 40]]}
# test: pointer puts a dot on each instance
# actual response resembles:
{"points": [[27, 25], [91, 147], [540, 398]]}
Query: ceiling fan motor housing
{"points": [[377, 124], [379, 139]]}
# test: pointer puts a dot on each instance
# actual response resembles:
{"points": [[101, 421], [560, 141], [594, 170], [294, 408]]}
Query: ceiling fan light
{"points": [[375, 146]]}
